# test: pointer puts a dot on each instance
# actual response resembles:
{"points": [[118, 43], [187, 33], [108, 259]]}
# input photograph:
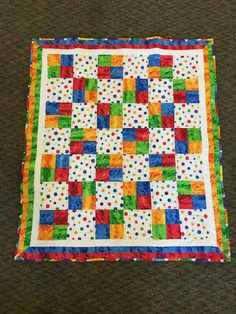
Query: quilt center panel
{"points": [[121, 149]]}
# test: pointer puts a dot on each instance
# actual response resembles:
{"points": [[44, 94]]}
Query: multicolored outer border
{"points": [[24, 252]]}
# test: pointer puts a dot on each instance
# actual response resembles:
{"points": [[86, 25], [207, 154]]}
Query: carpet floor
{"points": [[110, 287]]}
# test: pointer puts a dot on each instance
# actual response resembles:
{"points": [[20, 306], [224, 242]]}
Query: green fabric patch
{"points": [[179, 84], [184, 188], [53, 72], [166, 73], [169, 173], [154, 121], [116, 217], [159, 232], [194, 135], [116, 109], [91, 84], [103, 161], [142, 147], [89, 188], [47, 175], [77, 134], [64, 121], [59, 232], [104, 60], [130, 202], [129, 97]]}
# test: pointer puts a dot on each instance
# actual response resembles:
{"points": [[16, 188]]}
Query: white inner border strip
{"points": [[211, 241]]}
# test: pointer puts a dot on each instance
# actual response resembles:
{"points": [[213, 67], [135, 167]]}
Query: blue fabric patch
{"points": [[192, 96], [143, 188], [141, 84], [129, 135], [102, 231], [199, 201], [75, 202], [103, 122], [172, 216], [46, 217], [67, 60], [52, 108], [181, 147], [89, 147], [116, 174], [62, 161], [154, 60], [78, 96], [167, 109], [155, 160], [116, 72]]}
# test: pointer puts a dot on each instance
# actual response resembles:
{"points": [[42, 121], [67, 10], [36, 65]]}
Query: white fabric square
{"points": [[135, 167], [187, 115], [53, 195], [194, 224], [109, 141], [56, 141], [186, 66], [110, 90], [162, 141], [135, 66], [59, 89], [85, 66], [135, 115], [82, 167], [164, 195], [138, 224], [81, 225], [109, 195], [84, 115], [160, 90], [189, 167]]}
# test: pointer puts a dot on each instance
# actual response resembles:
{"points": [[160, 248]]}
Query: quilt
{"points": [[123, 158]]}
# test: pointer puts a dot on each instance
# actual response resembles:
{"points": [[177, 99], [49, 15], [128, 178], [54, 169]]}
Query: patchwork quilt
{"points": [[122, 158]]}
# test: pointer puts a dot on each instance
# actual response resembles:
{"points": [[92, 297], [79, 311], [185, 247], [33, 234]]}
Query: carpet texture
{"points": [[110, 287]]}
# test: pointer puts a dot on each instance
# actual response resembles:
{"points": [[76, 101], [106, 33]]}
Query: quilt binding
{"points": [[215, 154]]}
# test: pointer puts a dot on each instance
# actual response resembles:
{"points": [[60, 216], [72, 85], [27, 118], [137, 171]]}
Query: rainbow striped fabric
{"points": [[123, 157]]}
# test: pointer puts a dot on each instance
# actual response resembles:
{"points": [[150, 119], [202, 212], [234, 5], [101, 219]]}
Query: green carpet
{"points": [[131, 287]]}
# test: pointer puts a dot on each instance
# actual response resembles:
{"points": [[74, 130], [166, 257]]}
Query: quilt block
{"points": [[123, 159]]}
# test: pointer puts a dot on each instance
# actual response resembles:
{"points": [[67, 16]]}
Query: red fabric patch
{"points": [[168, 160], [66, 72], [144, 202], [104, 72], [75, 188], [60, 217], [102, 217], [79, 83], [179, 96], [65, 109], [76, 147], [185, 201], [166, 61], [103, 109], [142, 135], [142, 97], [62, 174], [181, 134], [102, 174], [167, 121], [173, 231]]}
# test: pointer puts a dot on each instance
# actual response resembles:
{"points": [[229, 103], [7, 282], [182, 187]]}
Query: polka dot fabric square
{"points": [[59, 89], [122, 157]]}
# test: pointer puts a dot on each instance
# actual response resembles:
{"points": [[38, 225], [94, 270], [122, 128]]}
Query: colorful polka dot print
{"points": [[59, 90]]}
